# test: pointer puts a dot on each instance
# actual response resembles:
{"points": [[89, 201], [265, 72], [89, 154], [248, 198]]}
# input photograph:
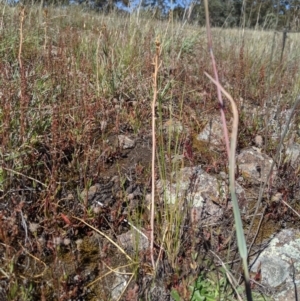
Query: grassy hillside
{"points": [[71, 82]]}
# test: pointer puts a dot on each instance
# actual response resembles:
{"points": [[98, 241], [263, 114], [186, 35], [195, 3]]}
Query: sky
{"points": [[134, 4]]}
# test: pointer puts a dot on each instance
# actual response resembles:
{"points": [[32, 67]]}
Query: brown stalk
{"points": [[22, 17], [157, 64], [45, 13], [23, 100]]}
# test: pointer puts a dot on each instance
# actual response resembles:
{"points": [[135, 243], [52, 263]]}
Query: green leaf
{"points": [[175, 295], [197, 296]]}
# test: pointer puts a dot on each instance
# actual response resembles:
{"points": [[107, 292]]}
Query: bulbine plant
{"points": [[241, 241], [237, 216]]}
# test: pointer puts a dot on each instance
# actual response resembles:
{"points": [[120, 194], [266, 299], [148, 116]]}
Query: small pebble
{"points": [[67, 241], [130, 196], [33, 227], [148, 198]]}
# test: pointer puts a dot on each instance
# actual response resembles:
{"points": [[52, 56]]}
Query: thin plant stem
{"points": [[210, 49], [28, 177], [108, 238], [22, 75], [45, 13], [157, 64]]}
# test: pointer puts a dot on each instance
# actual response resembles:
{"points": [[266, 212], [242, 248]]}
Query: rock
{"points": [[254, 166], [135, 190], [118, 285], [193, 186], [133, 240], [273, 115], [293, 154], [100, 194], [280, 265], [148, 198], [242, 198], [277, 120], [282, 121], [91, 193], [155, 288], [125, 142], [207, 195], [213, 133], [239, 191], [275, 199], [173, 126], [223, 175]]}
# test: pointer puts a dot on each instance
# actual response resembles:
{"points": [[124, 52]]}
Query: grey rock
{"points": [[91, 193], [133, 240], [192, 186], [205, 194], [126, 142], [280, 265], [293, 154], [118, 285], [254, 166], [274, 270], [100, 194], [242, 198], [212, 133], [277, 120]]}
